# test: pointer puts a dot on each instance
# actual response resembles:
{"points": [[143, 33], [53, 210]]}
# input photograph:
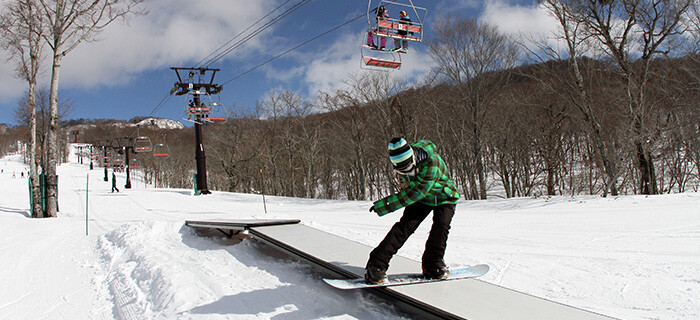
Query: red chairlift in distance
{"points": [[142, 143], [161, 150], [135, 164]]}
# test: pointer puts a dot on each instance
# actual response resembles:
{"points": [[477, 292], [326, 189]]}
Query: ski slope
{"points": [[630, 257]]}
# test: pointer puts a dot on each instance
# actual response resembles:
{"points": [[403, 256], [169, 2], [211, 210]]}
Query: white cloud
{"points": [[10, 87], [174, 32], [524, 22]]}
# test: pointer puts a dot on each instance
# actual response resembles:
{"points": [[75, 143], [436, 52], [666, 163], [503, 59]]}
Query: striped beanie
{"points": [[401, 155]]}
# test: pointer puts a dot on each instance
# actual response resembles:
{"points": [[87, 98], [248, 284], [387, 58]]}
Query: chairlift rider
{"points": [[401, 45], [381, 16]]}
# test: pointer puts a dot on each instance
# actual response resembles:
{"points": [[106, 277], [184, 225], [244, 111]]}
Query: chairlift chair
{"points": [[194, 111], [381, 60], [218, 114], [161, 150], [373, 63], [142, 144], [135, 164], [390, 28]]}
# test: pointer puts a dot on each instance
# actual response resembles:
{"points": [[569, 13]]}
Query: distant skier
{"points": [[426, 186], [114, 182]]}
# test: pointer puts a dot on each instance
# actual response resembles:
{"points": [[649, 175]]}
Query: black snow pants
{"points": [[413, 215]]}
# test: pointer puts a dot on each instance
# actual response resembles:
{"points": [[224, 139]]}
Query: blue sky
{"points": [[127, 72]]}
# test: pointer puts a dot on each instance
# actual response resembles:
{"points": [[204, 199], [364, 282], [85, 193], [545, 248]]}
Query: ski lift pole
{"points": [[87, 189], [199, 152], [104, 161], [262, 186], [196, 89], [128, 169]]}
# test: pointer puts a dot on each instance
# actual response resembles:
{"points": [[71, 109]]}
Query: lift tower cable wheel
{"points": [[198, 81]]}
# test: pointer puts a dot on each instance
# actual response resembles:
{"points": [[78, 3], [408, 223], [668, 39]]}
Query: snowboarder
{"points": [[426, 186], [114, 182]]}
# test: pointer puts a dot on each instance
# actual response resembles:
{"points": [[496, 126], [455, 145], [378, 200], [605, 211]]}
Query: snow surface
{"points": [[631, 257]]}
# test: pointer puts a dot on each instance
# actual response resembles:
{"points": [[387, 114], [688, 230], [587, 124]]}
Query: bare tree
{"points": [[632, 33], [468, 53], [235, 148], [69, 23], [23, 30], [577, 91]]}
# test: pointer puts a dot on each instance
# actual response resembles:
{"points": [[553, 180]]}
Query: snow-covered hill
{"points": [[160, 123], [631, 257], [152, 123]]}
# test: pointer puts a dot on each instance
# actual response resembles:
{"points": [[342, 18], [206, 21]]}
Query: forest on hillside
{"points": [[534, 140]]}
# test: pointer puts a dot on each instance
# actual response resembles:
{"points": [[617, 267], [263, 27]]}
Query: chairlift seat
{"points": [[397, 36], [376, 62], [215, 119], [391, 26], [161, 150], [198, 110], [142, 144]]}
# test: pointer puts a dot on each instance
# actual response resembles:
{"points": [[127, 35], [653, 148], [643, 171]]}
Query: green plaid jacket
{"points": [[432, 185]]}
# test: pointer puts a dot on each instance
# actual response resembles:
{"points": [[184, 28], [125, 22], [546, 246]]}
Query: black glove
{"points": [[371, 209]]}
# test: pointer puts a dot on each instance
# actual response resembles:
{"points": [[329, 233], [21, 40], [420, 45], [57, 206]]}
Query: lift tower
{"points": [[195, 83]]}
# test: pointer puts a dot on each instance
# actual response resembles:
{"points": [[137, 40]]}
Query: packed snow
{"points": [[630, 257]]}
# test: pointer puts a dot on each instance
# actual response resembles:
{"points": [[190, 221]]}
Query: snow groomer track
{"points": [[463, 299]]}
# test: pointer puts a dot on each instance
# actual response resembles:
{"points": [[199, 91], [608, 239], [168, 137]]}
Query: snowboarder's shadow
{"points": [[290, 302], [300, 296], [275, 303]]}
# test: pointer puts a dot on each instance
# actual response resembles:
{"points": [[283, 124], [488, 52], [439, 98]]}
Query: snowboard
{"points": [[386, 50], [408, 278]]}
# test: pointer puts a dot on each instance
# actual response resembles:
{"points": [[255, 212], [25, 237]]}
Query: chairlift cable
{"points": [[255, 33], [258, 31], [202, 62], [296, 47], [160, 104]]}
